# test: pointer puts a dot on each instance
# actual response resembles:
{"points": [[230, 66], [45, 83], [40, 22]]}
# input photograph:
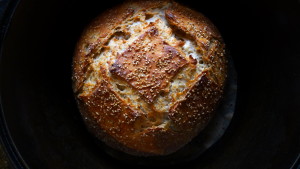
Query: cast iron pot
{"points": [[42, 128]]}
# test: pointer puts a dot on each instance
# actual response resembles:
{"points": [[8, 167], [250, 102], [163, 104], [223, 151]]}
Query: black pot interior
{"points": [[46, 126]]}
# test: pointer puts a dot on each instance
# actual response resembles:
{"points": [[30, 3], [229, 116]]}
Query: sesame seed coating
{"points": [[148, 76]]}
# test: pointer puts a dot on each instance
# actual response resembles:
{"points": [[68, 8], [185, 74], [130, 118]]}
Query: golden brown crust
{"points": [[148, 64], [118, 125], [146, 130], [192, 23]]}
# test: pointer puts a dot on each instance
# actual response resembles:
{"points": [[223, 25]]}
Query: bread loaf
{"points": [[148, 76]]}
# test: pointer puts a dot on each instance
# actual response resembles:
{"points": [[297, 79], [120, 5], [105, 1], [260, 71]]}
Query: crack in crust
{"points": [[95, 36], [180, 86]]}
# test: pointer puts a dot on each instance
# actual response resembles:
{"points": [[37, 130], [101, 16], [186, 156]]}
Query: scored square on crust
{"points": [[148, 64]]}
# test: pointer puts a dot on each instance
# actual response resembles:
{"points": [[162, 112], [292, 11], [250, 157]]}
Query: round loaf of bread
{"points": [[148, 76]]}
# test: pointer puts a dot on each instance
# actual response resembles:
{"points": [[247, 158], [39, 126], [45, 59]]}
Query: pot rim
{"points": [[14, 157]]}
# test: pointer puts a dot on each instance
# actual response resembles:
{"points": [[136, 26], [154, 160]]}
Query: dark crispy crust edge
{"points": [[183, 124]]}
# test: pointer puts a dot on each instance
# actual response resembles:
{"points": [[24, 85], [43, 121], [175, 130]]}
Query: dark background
{"points": [[263, 38]]}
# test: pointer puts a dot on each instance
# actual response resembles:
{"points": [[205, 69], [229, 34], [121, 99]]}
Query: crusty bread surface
{"points": [[148, 76]]}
